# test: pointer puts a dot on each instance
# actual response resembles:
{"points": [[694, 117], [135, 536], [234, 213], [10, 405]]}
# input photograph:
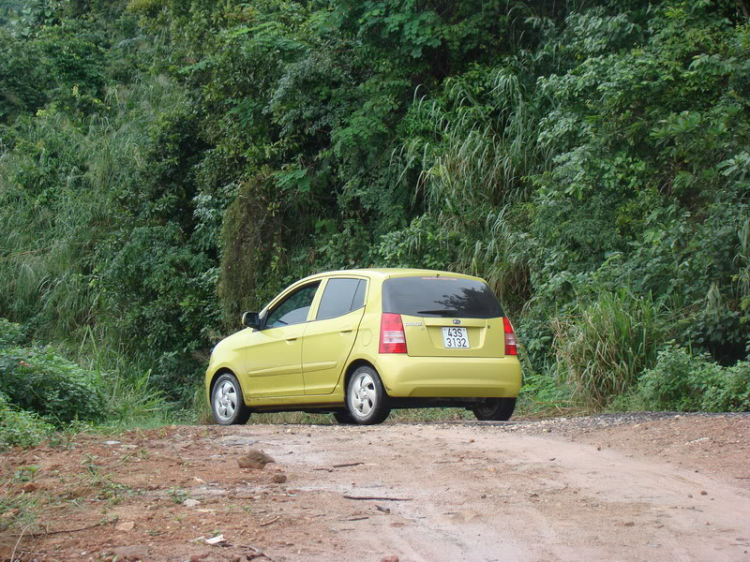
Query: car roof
{"points": [[388, 272]]}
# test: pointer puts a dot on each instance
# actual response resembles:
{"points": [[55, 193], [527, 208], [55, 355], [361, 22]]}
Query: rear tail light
{"points": [[392, 336], [510, 338]]}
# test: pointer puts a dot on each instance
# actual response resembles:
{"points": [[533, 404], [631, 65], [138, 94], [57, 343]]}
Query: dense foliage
{"points": [[51, 386], [20, 427], [165, 164], [41, 389], [39, 380], [688, 383]]}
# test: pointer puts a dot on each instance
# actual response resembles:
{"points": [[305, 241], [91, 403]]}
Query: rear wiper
{"points": [[442, 312]]}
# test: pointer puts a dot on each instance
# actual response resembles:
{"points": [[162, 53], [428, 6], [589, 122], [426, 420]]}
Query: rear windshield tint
{"points": [[440, 296]]}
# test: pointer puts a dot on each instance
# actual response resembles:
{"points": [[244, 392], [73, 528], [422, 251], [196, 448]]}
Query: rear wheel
{"points": [[227, 403], [495, 409], [366, 398]]}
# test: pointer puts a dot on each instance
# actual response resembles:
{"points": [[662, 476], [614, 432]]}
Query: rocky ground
{"points": [[611, 487]]}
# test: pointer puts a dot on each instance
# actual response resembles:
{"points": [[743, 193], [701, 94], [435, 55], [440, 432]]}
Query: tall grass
{"points": [[61, 185], [479, 147], [126, 383], [484, 149], [603, 348], [59, 189]]}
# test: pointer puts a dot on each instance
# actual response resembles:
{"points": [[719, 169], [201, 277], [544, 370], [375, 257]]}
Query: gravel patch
{"points": [[581, 424]]}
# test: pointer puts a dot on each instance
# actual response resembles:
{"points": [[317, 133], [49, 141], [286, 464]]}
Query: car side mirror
{"points": [[251, 320]]}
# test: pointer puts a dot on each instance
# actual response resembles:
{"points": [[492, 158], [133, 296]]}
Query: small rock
{"points": [[279, 478], [30, 487], [198, 557], [190, 502], [704, 493], [629, 524], [389, 559], [255, 459]]}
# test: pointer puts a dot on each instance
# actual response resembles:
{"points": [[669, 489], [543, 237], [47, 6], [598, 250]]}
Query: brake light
{"points": [[510, 338], [392, 336]]}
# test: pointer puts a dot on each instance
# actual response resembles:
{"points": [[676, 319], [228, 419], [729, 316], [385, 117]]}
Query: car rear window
{"points": [[440, 296], [341, 296]]}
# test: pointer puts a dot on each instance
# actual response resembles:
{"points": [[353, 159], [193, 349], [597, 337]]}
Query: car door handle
{"points": [[291, 340], [347, 330]]}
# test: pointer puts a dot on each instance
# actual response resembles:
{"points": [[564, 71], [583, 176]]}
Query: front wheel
{"points": [[366, 398], [495, 409], [227, 404]]}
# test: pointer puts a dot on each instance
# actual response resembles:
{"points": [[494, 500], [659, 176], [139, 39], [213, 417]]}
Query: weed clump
{"points": [[39, 380], [20, 428], [602, 350], [689, 383], [40, 390]]}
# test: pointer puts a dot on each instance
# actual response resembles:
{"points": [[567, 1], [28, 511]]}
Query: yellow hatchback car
{"points": [[359, 343]]}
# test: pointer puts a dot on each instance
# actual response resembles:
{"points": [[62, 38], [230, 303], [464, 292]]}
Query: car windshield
{"points": [[449, 297]]}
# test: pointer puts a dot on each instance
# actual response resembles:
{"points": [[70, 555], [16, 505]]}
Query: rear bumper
{"points": [[443, 377]]}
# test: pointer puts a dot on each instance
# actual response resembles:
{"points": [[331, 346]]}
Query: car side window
{"points": [[341, 296], [294, 308]]}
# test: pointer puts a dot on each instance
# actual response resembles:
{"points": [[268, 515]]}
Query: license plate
{"points": [[456, 338]]}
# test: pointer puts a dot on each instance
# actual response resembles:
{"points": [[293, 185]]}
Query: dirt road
{"points": [[627, 488]]}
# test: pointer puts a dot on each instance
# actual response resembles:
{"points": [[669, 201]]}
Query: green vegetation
{"points": [[20, 427], [604, 347], [166, 164], [41, 390], [688, 383]]}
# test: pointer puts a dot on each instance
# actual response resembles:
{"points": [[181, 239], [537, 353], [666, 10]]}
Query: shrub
{"points": [[18, 427], [684, 382], [604, 348], [41, 381], [10, 333]]}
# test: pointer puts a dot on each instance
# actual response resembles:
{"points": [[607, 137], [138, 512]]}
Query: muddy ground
{"points": [[648, 487]]}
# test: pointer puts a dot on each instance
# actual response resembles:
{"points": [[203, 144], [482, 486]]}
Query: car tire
{"points": [[227, 403], [495, 409], [343, 417], [366, 400]]}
